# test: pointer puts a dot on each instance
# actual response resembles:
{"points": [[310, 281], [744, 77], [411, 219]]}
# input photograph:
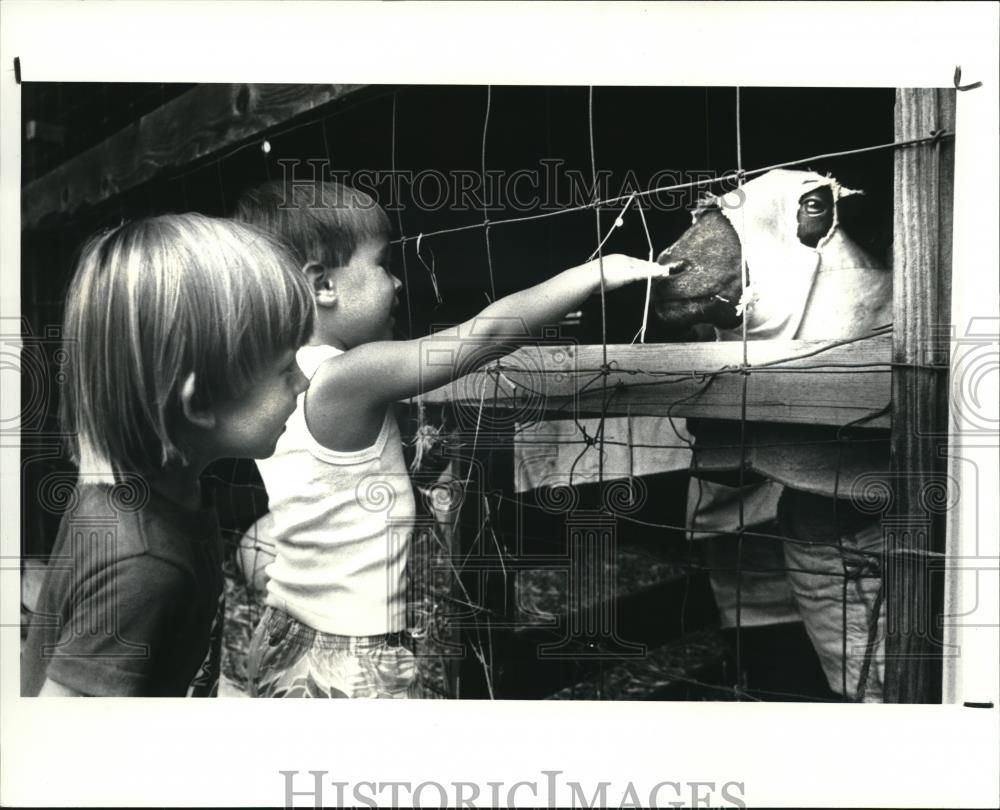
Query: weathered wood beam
{"points": [[914, 527], [824, 384], [196, 125]]}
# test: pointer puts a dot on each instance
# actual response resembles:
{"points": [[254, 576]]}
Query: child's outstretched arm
{"points": [[385, 372]]}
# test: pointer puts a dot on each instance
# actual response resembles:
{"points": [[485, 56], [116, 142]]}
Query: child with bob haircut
{"points": [[183, 332], [340, 497]]}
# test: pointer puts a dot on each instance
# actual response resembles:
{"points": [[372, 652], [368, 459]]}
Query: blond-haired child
{"points": [[182, 332]]}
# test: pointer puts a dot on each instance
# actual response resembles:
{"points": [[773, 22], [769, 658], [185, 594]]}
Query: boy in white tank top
{"points": [[340, 497]]}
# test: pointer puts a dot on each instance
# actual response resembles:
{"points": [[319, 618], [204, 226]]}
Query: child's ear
{"points": [[199, 418], [323, 286]]}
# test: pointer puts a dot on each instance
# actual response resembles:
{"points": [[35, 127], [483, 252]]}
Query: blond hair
{"points": [[155, 300]]}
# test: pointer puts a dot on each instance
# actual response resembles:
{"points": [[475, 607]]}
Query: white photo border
{"points": [[229, 752]]}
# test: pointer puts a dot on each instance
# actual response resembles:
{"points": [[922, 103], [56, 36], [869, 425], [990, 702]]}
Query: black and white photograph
{"points": [[575, 409]]}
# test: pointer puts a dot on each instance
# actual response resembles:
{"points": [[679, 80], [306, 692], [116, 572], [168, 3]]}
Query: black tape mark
{"points": [[964, 87]]}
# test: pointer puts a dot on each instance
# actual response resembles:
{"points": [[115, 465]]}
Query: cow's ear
{"points": [[706, 199]]}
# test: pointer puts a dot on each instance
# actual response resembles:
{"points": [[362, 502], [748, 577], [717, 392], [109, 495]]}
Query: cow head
{"points": [[704, 284]]}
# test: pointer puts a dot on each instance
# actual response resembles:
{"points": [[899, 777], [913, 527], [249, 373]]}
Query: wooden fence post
{"points": [[914, 528]]}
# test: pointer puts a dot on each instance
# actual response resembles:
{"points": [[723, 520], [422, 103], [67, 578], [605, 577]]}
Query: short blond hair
{"points": [[154, 300]]}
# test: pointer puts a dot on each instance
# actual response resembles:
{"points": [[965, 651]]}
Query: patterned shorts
{"points": [[290, 659]]}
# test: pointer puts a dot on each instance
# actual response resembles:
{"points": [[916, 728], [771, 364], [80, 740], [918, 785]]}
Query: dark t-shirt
{"points": [[132, 599]]}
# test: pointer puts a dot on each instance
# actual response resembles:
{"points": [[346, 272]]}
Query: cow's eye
{"points": [[814, 207]]}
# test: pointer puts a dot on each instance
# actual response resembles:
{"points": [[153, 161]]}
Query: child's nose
{"points": [[301, 381], [396, 283]]}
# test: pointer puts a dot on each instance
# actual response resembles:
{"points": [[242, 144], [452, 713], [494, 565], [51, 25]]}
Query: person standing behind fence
{"points": [[340, 496], [182, 332]]}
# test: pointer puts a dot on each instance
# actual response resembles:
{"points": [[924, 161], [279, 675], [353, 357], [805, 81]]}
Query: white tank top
{"points": [[340, 523]]}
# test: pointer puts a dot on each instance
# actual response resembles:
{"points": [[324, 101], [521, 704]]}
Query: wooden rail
{"points": [[817, 382], [196, 125]]}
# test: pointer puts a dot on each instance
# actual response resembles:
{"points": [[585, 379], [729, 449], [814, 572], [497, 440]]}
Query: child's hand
{"points": [[620, 270]]}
